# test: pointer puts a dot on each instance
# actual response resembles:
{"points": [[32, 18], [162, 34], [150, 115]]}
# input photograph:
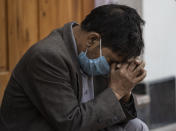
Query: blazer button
{"points": [[115, 118]]}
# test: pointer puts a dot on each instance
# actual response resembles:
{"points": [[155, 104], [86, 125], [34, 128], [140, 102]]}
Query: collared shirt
{"points": [[87, 81]]}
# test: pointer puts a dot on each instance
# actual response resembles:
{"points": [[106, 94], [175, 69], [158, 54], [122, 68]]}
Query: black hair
{"points": [[119, 27]]}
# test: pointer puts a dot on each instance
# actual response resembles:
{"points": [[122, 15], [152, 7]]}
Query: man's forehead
{"points": [[120, 58]]}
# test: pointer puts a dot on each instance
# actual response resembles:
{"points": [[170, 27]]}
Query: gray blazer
{"points": [[45, 88]]}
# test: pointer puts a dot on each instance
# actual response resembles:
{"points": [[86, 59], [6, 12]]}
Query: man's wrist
{"points": [[117, 95], [127, 97]]}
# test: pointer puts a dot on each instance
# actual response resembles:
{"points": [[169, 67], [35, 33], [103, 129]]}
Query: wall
{"points": [[137, 4], [160, 38]]}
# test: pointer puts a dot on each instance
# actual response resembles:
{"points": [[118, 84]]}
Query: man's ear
{"points": [[93, 39]]}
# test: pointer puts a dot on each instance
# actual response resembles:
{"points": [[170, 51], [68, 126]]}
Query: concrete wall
{"points": [[137, 4], [160, 38]]}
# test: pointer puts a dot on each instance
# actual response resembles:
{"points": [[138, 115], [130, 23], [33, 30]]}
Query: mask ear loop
{"points": [[86, 50], [100, 48]]}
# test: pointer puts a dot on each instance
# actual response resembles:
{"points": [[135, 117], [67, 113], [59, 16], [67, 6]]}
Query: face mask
{"points": [[94, 67]]}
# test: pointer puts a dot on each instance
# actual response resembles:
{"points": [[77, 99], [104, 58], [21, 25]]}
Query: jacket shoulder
{"points": [[52, 44], [50, 49]]}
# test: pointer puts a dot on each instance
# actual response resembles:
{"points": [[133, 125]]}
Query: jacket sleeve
{"points": [[101, 83], [50, 90], [130, 112]]}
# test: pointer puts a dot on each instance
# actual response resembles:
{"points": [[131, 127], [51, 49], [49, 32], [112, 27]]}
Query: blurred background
{"points": [[24, 22]]}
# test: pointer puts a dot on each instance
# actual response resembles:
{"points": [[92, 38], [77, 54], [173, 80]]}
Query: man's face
{"points": [[111, 57], [91, 42]]}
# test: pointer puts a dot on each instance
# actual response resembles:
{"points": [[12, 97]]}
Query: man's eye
{"points": [[111, 62]]}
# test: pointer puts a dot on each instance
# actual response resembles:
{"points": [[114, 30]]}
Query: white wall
{"points": [[160, 38], [137, 4]]}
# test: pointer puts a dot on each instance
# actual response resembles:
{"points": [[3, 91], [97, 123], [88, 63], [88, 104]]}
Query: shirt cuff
{"points": [[129, 108]]}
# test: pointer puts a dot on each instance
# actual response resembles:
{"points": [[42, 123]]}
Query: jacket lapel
{"points": [[67, 35]]}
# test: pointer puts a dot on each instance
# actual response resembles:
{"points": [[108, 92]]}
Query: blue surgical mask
{"points": [[94, 67]]}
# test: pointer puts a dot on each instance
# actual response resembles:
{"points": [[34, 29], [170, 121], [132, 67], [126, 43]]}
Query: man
{"points": [[80, 77]]}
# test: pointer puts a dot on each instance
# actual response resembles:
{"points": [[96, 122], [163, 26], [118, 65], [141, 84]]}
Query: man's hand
{"points": [[124, 78]]}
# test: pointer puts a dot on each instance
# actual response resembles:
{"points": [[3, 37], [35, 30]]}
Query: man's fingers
{"points": [[113, 67], [125, 66], [131, 60], [118, 66], [143, 64], [138, 61], [141, 77], [132, 66], [139, 69]]}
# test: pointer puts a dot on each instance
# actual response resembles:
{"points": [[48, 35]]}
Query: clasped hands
{"points": [[124, 77]]}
